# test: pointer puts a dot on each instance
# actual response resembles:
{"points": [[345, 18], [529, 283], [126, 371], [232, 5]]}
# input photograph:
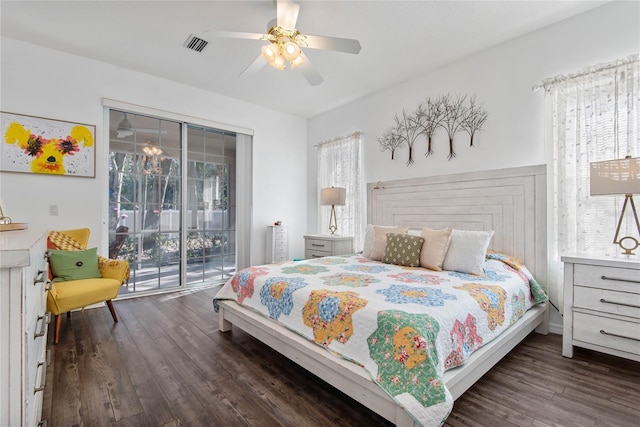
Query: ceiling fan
{"points": [[286, 44]]}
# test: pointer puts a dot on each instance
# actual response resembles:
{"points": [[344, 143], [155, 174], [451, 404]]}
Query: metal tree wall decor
{"points": [[451, 114]]}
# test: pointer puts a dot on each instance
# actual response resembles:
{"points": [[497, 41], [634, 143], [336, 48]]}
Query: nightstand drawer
{"points": [[613, 278], [606, 332], [317, 245], [606, 301], [315, 254]]}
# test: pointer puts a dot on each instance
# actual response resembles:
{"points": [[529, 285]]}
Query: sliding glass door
{"points": [[171, 212], [210, 220]]}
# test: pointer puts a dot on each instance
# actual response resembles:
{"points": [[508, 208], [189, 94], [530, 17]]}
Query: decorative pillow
{"points": [[403, 249], [436, 243], [74, 265], [467, 250], [380, 240]]}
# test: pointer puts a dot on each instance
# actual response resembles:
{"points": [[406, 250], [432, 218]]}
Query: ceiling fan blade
{"points": [[287, 12], [309, 71], [333, 43], [254, 67], [237, 35]]}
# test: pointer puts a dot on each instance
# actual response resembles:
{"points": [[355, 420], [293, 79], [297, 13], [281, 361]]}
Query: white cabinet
{"points": [[23, 326], [602, 305], [319, 246], [277, 244]]}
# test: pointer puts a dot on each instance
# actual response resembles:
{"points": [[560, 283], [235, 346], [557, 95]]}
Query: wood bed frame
{"points": [[512, 202]]}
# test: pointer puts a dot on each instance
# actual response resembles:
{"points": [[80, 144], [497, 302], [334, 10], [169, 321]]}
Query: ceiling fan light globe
{"points": [[291, 51], [296, 62], [269, 52], [278, 63]]}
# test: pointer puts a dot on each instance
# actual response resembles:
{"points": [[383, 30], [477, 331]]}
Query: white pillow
{"points": [[467, 250], [368, 241], [375, 240]]}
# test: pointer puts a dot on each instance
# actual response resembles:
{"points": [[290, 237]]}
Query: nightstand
{"points": [[602, 305], [319, 246]]}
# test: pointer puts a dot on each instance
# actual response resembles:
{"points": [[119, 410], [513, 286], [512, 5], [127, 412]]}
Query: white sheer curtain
{"points": [[591, 116], [340, 165]]}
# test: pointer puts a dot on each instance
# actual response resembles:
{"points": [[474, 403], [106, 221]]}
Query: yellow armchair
{"points": [[70, 295]]}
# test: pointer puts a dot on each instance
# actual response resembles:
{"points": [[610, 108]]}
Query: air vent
{"points": [[195, 43]]}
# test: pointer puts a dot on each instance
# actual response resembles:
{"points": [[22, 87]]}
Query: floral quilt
{"points": [[404, 325]]}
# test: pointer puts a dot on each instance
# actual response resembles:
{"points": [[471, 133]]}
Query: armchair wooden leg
{"points": [[112, 310], [57, 321]]}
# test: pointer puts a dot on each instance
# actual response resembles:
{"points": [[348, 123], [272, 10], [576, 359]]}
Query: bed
{"points": [[509, 202]]}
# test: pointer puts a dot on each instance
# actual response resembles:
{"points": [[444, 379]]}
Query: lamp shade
{"points": [[124, 128], [333, 196], [621, 176]]}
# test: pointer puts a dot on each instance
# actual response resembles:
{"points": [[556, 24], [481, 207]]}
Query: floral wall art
{"points": [[46, 146], [443, 113]]}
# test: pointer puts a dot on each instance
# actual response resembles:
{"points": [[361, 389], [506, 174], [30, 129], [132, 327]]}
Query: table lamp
{"points": [[620, 176], [333, 196]]}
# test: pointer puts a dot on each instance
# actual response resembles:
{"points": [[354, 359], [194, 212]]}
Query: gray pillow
{"points": [[403, 249]]}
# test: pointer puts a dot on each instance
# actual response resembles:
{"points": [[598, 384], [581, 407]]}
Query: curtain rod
{"points": [[329, 141], [547, 83]]}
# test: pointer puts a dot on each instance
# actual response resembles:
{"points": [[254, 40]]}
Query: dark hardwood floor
{"points": [[165, 364]]}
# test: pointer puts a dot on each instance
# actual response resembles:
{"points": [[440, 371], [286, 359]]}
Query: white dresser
{"points": [[602, 305], [277, 244], [23, 326], [321, 245]]}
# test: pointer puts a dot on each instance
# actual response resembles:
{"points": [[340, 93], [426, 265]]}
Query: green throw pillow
{"points": [[403, 249], [74, 265]]}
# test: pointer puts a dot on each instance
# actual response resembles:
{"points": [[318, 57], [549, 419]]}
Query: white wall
{"points": [[43, 82], [501, 78]]}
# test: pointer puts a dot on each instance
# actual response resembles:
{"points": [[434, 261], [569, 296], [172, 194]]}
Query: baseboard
{"points": [[555, 328]]}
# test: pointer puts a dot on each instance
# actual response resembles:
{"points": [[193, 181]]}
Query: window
{"points": [[339, 165], [169, 238], [592, 116]]}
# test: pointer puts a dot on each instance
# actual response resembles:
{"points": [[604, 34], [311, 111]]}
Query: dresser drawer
{"points": [[280, 234], [318, 245], [607, 332], [280, 258], [613, 278], [607, 301], [280, 242], [279, 250]]}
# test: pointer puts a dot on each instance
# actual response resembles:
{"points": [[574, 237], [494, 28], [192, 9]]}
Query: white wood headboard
{"points": [[512, 202]]}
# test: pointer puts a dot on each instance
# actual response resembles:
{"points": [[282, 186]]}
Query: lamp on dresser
{"points": [[334, 196], [621, 176]]}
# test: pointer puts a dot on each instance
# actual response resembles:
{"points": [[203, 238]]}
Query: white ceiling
{"points": [[400, 40]]}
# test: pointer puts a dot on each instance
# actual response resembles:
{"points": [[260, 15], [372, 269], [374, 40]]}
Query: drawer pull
{"points": [[39, 277], [42, 423], [619, 303], [602, 331], [619, 280], [43, 378], [316, 256], [44, 321], [317, 245]]}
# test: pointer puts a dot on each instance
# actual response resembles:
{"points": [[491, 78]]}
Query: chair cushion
{"points": [[74, 294], [74, 265]]}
